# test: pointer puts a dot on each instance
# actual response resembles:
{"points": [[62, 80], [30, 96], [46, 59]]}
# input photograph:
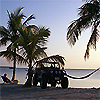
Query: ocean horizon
{"points": [[90, 82]]}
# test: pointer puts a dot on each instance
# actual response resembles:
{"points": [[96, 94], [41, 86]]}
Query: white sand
{"points": [[18, 92]]}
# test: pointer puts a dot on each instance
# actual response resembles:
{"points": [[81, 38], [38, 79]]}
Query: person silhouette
{"points": [[5, 79]]}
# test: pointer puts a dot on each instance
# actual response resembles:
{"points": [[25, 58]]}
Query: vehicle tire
{"points": [[43, 82], [35, 81], [64, 83], [53, 84]]}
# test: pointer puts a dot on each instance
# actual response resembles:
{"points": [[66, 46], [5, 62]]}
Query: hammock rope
{"points": [[83, 77]]}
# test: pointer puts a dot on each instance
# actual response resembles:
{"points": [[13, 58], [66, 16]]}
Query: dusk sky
{"points": [[56, 15]]}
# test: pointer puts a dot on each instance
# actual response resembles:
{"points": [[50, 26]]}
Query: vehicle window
{"points": [[53, 65], [56, 65], [47, 65]]}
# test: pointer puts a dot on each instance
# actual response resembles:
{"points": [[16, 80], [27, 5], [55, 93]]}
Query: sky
{"points": [[57, 16]]}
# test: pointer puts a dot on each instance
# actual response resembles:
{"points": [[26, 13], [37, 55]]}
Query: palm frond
{"points": [[9, 15], [76, 27], [4, 36], [92, 41], [15, 20], [39, 53], [4, 32], [9, 55], [90, 9], [54, 58], [21, 60], [91, 1], [43, 35], [28, 19], [3, 41], [16, 13]]}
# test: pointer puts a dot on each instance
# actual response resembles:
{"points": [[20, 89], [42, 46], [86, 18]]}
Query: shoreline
{"points": [[18, 92]]}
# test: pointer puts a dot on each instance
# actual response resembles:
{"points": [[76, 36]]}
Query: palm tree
{"points": [[11, 34], [89, 17], [32, 46]]}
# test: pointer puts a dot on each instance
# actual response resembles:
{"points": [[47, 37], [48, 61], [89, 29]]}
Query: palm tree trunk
{"points": [[14, 66], [28, 83]]}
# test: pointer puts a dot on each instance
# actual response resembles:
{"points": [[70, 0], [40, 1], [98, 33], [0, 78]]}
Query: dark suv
{"points": [[50, 73]]}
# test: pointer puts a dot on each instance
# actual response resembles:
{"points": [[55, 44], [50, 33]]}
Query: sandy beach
{"points": [[18, 92]]}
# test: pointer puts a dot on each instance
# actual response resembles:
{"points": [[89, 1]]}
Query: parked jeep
{"points": [[50, 73]]}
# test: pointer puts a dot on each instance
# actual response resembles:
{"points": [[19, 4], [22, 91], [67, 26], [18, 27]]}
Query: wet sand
{"points": [[18, 92]]}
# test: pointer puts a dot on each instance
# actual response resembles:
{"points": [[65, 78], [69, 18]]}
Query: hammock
{"points": [[83, 77]]}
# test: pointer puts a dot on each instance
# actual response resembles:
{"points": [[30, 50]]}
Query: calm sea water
{"points": [[92, 81]]}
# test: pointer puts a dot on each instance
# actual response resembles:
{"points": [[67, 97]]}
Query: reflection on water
{"points": [[93, 81]]}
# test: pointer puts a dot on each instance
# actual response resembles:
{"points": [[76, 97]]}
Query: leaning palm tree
{"points": [[89, 17], [32, 46], [11, 34]]}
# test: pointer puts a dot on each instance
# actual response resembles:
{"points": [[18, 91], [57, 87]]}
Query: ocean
{"points": [[92, 81]]}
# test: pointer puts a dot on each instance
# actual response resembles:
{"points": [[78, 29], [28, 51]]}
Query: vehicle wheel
{"points": [[64, 83], [35, 81], [43, 82], [53, 84]]}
